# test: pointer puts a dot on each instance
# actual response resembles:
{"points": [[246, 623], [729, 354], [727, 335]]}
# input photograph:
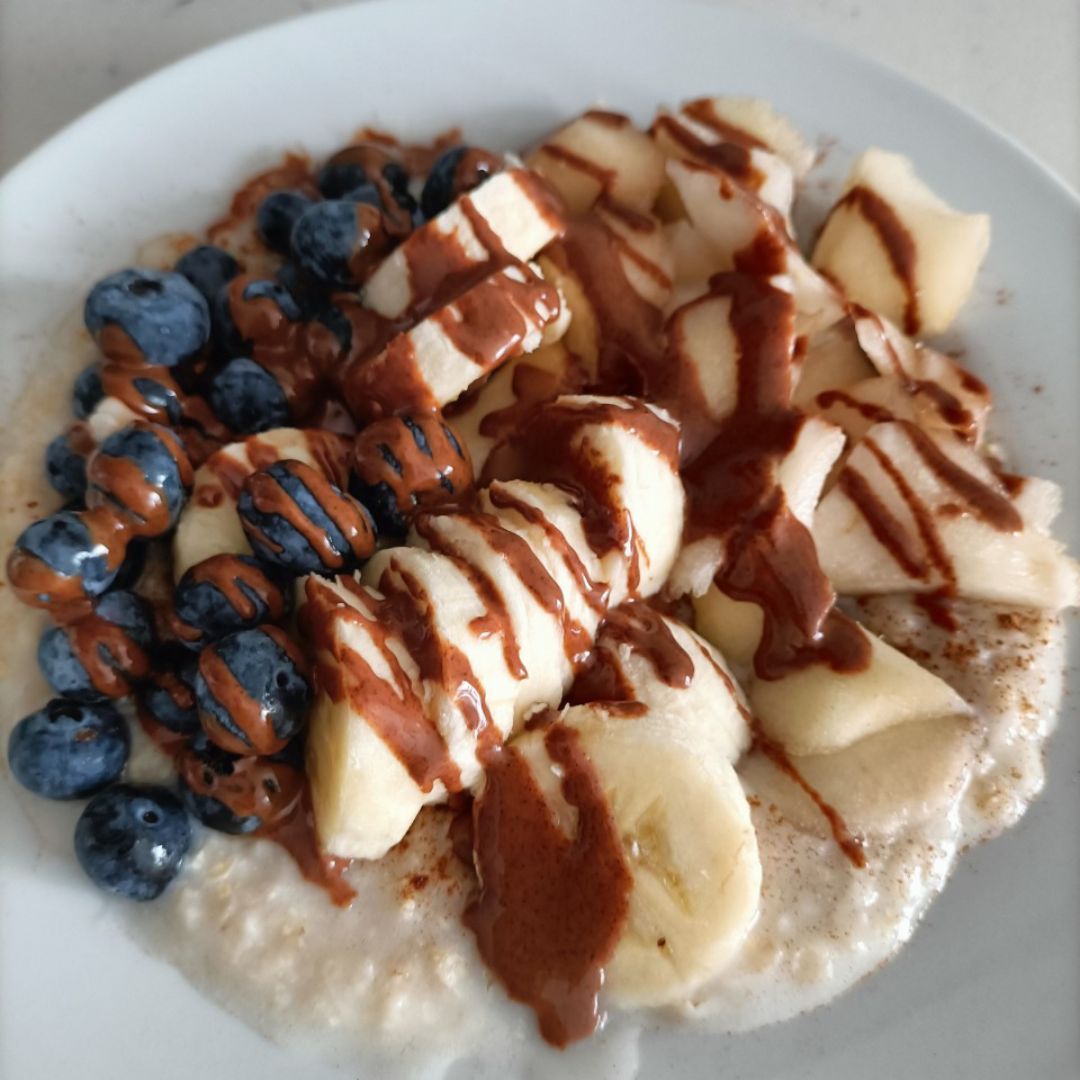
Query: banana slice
{"points": [[880, 785], [514, 209], [896, 247], [615, 272], [816, 710], [698, 132], [686, 831], [635, 643], [733, 626], [912, 513], [600, 154], [504, 315], [494, 412], [350, 765], [834, 360], [209, 524], [741, 228]]}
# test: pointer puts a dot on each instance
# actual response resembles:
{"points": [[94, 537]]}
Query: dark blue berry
{"points": [[169, 695], [337, 242], [335, 179], [158, 399], [438, 191], [311, 296], [235, 794], [282, 504], [68, 749], [250, 302], [252, 691], [226, 593], [452, 176], [162, 315], [247, 398], [88, 661], [208, 268], [276, 217], [87, 391], [133, 565], [159, 457], [65, 466], [63, 544], [131, 840]]}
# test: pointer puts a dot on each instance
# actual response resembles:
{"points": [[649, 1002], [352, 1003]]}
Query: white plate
{"points": [[990, 986]]}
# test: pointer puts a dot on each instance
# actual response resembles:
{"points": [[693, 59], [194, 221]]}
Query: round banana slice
{"points": [[686, 830]]}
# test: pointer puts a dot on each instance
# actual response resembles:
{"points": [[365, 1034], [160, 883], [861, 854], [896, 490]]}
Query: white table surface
{"points": [[1016, 62]]}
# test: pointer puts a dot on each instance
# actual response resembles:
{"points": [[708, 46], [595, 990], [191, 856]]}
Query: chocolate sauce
{"points": [[488, 324], [852, 845], [551, 907], [731, 157], [390, 705], [549, 450], [631, 357], [898, 242], [733, 494]]}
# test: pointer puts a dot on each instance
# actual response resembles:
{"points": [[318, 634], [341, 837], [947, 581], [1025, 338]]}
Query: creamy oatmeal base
{"points": [[397, 977], [249, 932]]}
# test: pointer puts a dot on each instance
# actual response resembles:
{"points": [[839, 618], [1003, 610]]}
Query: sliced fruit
{"points": [[514, 209], [746, 233], [896, 247], [699, 689], [817, 710], [912, 513], [363, 796], [880, 785], [833, 361], [698, 133], [209, 524], [733, 626], [430, 365], [422, 660], [686, 830], [600, 154], [496, 410]]}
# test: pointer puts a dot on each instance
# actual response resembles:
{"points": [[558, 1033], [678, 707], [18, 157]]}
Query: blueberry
{"points": [[143, 471], [310, 295], [131, 840], [276, 216], [87, 391], [208, 268], [401, 464], [339, 242], [68, 749], [147, 316], [336, 179], [59, 560], [247, 398], [101, 654], [237, 795], [151, 393], [296, 519], [252, 690], [453, 175], [226, 593], [169, 695], [133, 565], [252, 311], [65, 466]]}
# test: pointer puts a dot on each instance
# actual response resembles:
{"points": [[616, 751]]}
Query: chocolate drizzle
{"points": [[551, 907], [898, 242]]}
